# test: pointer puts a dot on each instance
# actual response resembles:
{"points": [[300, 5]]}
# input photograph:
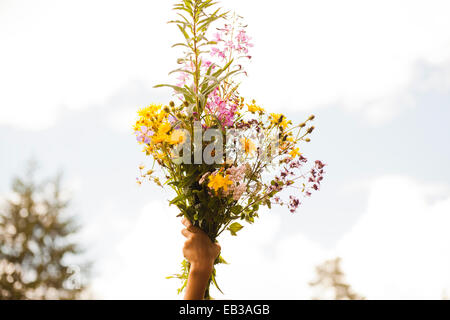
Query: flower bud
{"points": [[311, 118]]}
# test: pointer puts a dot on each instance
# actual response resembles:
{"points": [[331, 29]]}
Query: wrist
{"points": [[202, 269]]}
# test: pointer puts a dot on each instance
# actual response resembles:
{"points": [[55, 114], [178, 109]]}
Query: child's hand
{"points": [[199, 249]]}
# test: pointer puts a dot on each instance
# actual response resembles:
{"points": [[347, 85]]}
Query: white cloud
{"points": [[357, 53], [264, 265], [397, 250], [75, 54], [152, 251], [149, 253], [122, 119], [59, 54]]}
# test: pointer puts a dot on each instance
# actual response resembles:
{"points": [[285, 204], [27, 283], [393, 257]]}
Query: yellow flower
{"points": [[159, 138], [152, 117], [160, 155], [177, 137], [248, 145], [164, 128], [254, 108], [295, 152], [161, 135], [150, 111], [217, 181], [278, 119]]}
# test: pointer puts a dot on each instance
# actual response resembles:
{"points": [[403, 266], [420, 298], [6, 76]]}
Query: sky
{"points": [[375, 74]]}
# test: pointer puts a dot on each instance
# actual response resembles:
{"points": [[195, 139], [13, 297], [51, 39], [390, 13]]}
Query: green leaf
{"points": [[181, 90], [249, 219], [220, 260], [181, 70], [234, 228], [180, 45], [186, 36], [179, 198], [236, 209], [213, 278]]}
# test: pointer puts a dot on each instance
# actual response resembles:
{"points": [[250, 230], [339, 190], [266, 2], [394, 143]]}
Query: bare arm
{"points": [[201, 253]]}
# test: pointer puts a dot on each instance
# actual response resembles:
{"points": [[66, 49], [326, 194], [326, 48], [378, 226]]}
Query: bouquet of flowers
{"points": [[223, 155]]}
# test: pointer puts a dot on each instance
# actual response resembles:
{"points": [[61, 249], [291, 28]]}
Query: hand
{"points": [[198, 249], [201, 252]]}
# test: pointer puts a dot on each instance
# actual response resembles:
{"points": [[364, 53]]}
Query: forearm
{"points": [[197, 282]]}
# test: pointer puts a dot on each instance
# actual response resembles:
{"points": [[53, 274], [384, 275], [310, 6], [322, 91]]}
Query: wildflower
{"points": [[218, 52], [254, 108], [225, 110], [248, 146], [319, 164], [218, 181], [143, 134], [295, 152], [293, 204], [310, 130], [237, 174], [160, 156], [277, 119], [239, 191], [177, 137], [162, 134], [217, 37]]}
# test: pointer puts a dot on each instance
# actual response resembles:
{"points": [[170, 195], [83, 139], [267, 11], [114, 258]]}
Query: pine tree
{"points": [[331, 282], [36, 245]]}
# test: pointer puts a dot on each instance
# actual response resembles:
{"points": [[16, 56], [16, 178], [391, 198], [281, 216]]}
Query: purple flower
{"points": [[224, 110], [144, 134]]}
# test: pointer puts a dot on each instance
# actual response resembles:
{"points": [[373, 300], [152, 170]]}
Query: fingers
{"points": [[186, 233], [186, 222], [194, 229], [189, 226]]}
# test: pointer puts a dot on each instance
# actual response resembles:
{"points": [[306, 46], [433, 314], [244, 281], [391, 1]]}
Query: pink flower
{"points": [[224, 110], [239, 191], [217, 37], [218, 52], [237, 174], [206, 64]]}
